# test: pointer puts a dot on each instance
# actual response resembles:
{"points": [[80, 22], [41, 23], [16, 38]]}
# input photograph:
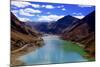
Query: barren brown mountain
{"points": [[83, 32], [23, 39]]}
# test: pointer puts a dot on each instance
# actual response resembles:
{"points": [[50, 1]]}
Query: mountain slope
{"points": [[24, 39], [83, 32], [22, 34], [63, 23]]}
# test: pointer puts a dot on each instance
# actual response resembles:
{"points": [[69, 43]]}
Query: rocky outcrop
{"points": [[83, 32]]}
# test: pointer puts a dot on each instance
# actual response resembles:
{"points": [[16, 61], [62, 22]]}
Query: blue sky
{"points": [[47, 12]]}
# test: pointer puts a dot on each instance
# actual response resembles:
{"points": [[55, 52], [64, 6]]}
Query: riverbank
{"points": [[22, 51], [55, 50], [84, 53]]}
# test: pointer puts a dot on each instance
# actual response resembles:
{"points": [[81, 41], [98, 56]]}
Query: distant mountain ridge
{"points": [[54, 27], [63, 23]]}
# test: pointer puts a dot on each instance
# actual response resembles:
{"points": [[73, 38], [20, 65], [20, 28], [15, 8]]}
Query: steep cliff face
{"points": [[22, 34], [83, 32]]}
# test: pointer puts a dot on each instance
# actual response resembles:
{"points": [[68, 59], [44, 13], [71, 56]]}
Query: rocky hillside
{"points": [[63, 23], [82, 32], [22, 35], [55, 27]]}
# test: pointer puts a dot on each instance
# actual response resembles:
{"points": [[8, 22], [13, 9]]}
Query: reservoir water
{"points": [[55, 50]]}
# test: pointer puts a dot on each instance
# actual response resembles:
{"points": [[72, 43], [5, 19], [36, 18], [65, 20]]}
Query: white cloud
{"points": [[24, 4], [43, 5], [48, 6], [80, 17], [82, 6], [63, 9], [26, 12], [23, 12], [35, 5], [30, 10], [14, 11], [20, 4], [74, 13], [24, 19], [60, 6], [20, 18], [48, 13], [77, 13], [50, 18]]}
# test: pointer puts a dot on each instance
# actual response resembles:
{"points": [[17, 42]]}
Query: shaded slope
{"points": [[83, 32]]}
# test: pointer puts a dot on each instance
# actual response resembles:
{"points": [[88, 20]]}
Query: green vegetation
{"points": [[73, 47], [70, 46]]}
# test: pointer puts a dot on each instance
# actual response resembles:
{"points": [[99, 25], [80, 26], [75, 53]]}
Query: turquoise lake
{"points": [[55, 50]]}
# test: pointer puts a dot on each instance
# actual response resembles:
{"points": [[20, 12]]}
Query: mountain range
{"points": [[70, 28], [55, 27]]}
